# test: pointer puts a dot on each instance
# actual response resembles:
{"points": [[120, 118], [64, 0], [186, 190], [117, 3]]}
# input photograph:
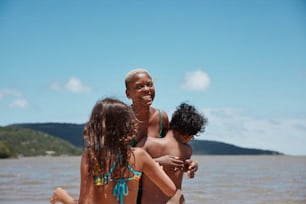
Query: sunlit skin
{"points": [[173, 144], [97, 159], [141, 91], [185, 123], [90, 194]]}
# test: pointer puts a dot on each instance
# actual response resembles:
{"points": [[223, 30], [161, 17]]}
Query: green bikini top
{"points": [[160, 124], [134, 142], [121, 189]]}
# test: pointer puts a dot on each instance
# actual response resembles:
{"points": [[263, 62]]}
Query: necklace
{"points": [[141, 119]]}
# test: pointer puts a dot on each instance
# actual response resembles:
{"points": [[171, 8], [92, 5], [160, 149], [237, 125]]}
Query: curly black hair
{"points": [[187, 120]]}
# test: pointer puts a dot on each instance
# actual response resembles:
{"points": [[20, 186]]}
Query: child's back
{"points": [[185, 123], [161, 147]]}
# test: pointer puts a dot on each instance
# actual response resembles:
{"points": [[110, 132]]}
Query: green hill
{"points": [[66, 131], [220, 148], [73, 134], [17, 141], [6, 150]]}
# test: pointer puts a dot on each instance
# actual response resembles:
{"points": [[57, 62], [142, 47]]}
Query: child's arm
{"points": [[62, 196]]}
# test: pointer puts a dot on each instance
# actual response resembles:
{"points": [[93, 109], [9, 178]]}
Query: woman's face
{"points": [[141, 89]]}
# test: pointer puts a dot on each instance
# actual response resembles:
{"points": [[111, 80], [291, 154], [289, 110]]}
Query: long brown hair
{"points": [[107, 134]]}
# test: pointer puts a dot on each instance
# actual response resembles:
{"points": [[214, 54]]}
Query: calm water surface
{"points": [[220, 179]]}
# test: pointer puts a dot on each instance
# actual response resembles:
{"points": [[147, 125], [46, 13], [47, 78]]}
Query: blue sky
{"points": [[243, 63]]}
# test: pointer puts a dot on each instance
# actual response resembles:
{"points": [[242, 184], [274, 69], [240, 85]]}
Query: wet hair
{"points": [[107, 134], [129, 76], [187, 120]]}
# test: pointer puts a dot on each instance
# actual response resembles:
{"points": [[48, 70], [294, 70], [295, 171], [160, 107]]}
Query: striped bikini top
{"points": [[121, 189]]}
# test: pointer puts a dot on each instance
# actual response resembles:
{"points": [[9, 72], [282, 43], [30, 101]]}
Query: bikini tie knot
{"points": [[120, 190]]}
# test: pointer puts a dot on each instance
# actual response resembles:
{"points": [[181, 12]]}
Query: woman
{"points": [[141, 91], [153, 122], [110, 167]]}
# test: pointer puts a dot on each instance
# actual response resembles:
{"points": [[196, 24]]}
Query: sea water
{"points": [[219, 179]]}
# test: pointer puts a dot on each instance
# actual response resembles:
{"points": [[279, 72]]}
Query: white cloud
{"points": [[232, 126], [9, 92], [73, 85], [19, 103], [15, 97], [196, 81]]}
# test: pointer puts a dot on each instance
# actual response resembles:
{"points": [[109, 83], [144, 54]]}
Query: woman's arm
{"points": [[168, 160], [150, 146], [156, 174], [192, 167]]}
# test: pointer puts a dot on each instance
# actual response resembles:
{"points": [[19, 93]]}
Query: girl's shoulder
{"points": [[140, 158], [140, 154], [138, 151]]}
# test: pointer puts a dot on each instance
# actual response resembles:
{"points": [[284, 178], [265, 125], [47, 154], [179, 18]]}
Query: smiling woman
{"points": [[140, 89], [152, 122]]}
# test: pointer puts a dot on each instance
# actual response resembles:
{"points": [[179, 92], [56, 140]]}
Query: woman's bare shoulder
{"points": [[158, 111]]}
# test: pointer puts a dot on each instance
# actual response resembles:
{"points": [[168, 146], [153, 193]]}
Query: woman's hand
{"points": [[170, 161]]}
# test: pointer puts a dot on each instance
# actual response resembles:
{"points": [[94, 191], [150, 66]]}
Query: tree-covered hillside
{"points": [[220, 148], [73, 134], [66, 131], [16, 141]]}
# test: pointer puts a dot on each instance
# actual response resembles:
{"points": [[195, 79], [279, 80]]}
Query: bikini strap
{"points": [[160, 124], [121, 189], [105, 178], [137, 174]]}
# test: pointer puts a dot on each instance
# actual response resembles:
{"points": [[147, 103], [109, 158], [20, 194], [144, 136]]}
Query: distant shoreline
{"points": [[42, 139]]}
